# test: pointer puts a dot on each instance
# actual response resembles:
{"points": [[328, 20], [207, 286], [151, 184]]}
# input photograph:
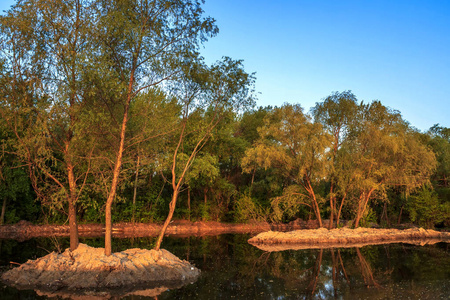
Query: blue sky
{"points": [[393, 51]]}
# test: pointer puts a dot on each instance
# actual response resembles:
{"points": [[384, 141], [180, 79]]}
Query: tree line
{"points": [[110, 114]]}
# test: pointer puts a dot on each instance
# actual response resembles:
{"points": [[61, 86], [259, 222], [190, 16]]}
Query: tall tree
{"points": [[46, 45], [336, 113], [141, 45], [212, 92], [296, 147], [385, 152]]}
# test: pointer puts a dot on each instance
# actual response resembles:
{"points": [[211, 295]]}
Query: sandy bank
{"points": [[343, 237], [88, 268]]}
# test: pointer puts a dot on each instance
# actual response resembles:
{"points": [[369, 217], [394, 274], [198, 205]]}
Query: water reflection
{"points": [[233, 269]]}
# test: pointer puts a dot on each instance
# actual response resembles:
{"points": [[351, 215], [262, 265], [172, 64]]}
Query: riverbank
{"points": [[25, 230], [343, 238]]}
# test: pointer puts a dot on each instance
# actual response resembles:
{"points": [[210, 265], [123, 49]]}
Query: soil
{"points": [[343, 238], [87, 271]]}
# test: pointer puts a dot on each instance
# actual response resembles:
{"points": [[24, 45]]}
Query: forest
{"points": [[109, 113]]}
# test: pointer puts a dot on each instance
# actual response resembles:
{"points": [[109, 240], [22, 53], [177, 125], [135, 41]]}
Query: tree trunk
{"points": [[172, 206], [189, 203], [314, 205], [338, 217], [400, 215], [317, 210], [2, 216], [73, 226], [135, 190], [359, 211], [385, 214], [205, 198], [115, 181], [108, 227], [117, 167], [362, 206], [332, 207], [72, 199]]}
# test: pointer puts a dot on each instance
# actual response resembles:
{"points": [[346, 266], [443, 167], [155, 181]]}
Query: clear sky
{"points": [[397, 52]]}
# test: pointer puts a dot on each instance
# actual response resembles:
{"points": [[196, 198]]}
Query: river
{"points": [[233, 269]]}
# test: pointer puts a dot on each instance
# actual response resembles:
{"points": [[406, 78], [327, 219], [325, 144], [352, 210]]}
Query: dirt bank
{"points": [[25, 230], [87, 269], [343, 237]]}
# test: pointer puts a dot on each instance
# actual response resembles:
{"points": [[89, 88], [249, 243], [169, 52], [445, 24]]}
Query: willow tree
{"points": [[336, 113], [45, 48], [142, 44], [297, 149], [385, 152]]}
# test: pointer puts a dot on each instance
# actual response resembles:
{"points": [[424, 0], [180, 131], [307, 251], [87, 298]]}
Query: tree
{"points": [[202, 174], [141, 45], [440, 143], [425, 208], [296, 147], [212, 92], [46, 45], [15, 186], [385, 152], [336, 113]]}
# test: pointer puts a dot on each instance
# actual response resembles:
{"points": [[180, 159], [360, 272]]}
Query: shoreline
{"points": [[344, 238], [180, 228]]}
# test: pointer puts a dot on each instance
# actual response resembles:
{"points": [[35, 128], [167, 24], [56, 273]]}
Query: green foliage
{"points": [[368, 217], [425, 208], [246, 209], [288, 205]]}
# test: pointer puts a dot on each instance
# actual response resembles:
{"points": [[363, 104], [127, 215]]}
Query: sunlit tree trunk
{"points": [[172, 206], [362, 205], [72, 198], [314, 203], [116, 172], [332, 207]]}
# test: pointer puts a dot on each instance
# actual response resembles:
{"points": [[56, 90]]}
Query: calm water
{"points": [[233, 269]]}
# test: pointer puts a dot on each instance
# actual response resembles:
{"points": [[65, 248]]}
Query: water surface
{"points": [[233, 269]]}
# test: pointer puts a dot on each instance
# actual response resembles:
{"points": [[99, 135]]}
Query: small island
{"points": [[343, 238], [89, 268]]}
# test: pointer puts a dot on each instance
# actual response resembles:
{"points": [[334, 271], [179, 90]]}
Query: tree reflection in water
{"points": [[231, 268]]}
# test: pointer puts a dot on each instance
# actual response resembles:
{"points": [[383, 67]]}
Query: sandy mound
{"points": [[89, 268], [343, 237]]}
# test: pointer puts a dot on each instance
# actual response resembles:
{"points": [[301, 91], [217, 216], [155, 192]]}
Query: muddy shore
{"points": [[25, 230], [344, 238]]}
